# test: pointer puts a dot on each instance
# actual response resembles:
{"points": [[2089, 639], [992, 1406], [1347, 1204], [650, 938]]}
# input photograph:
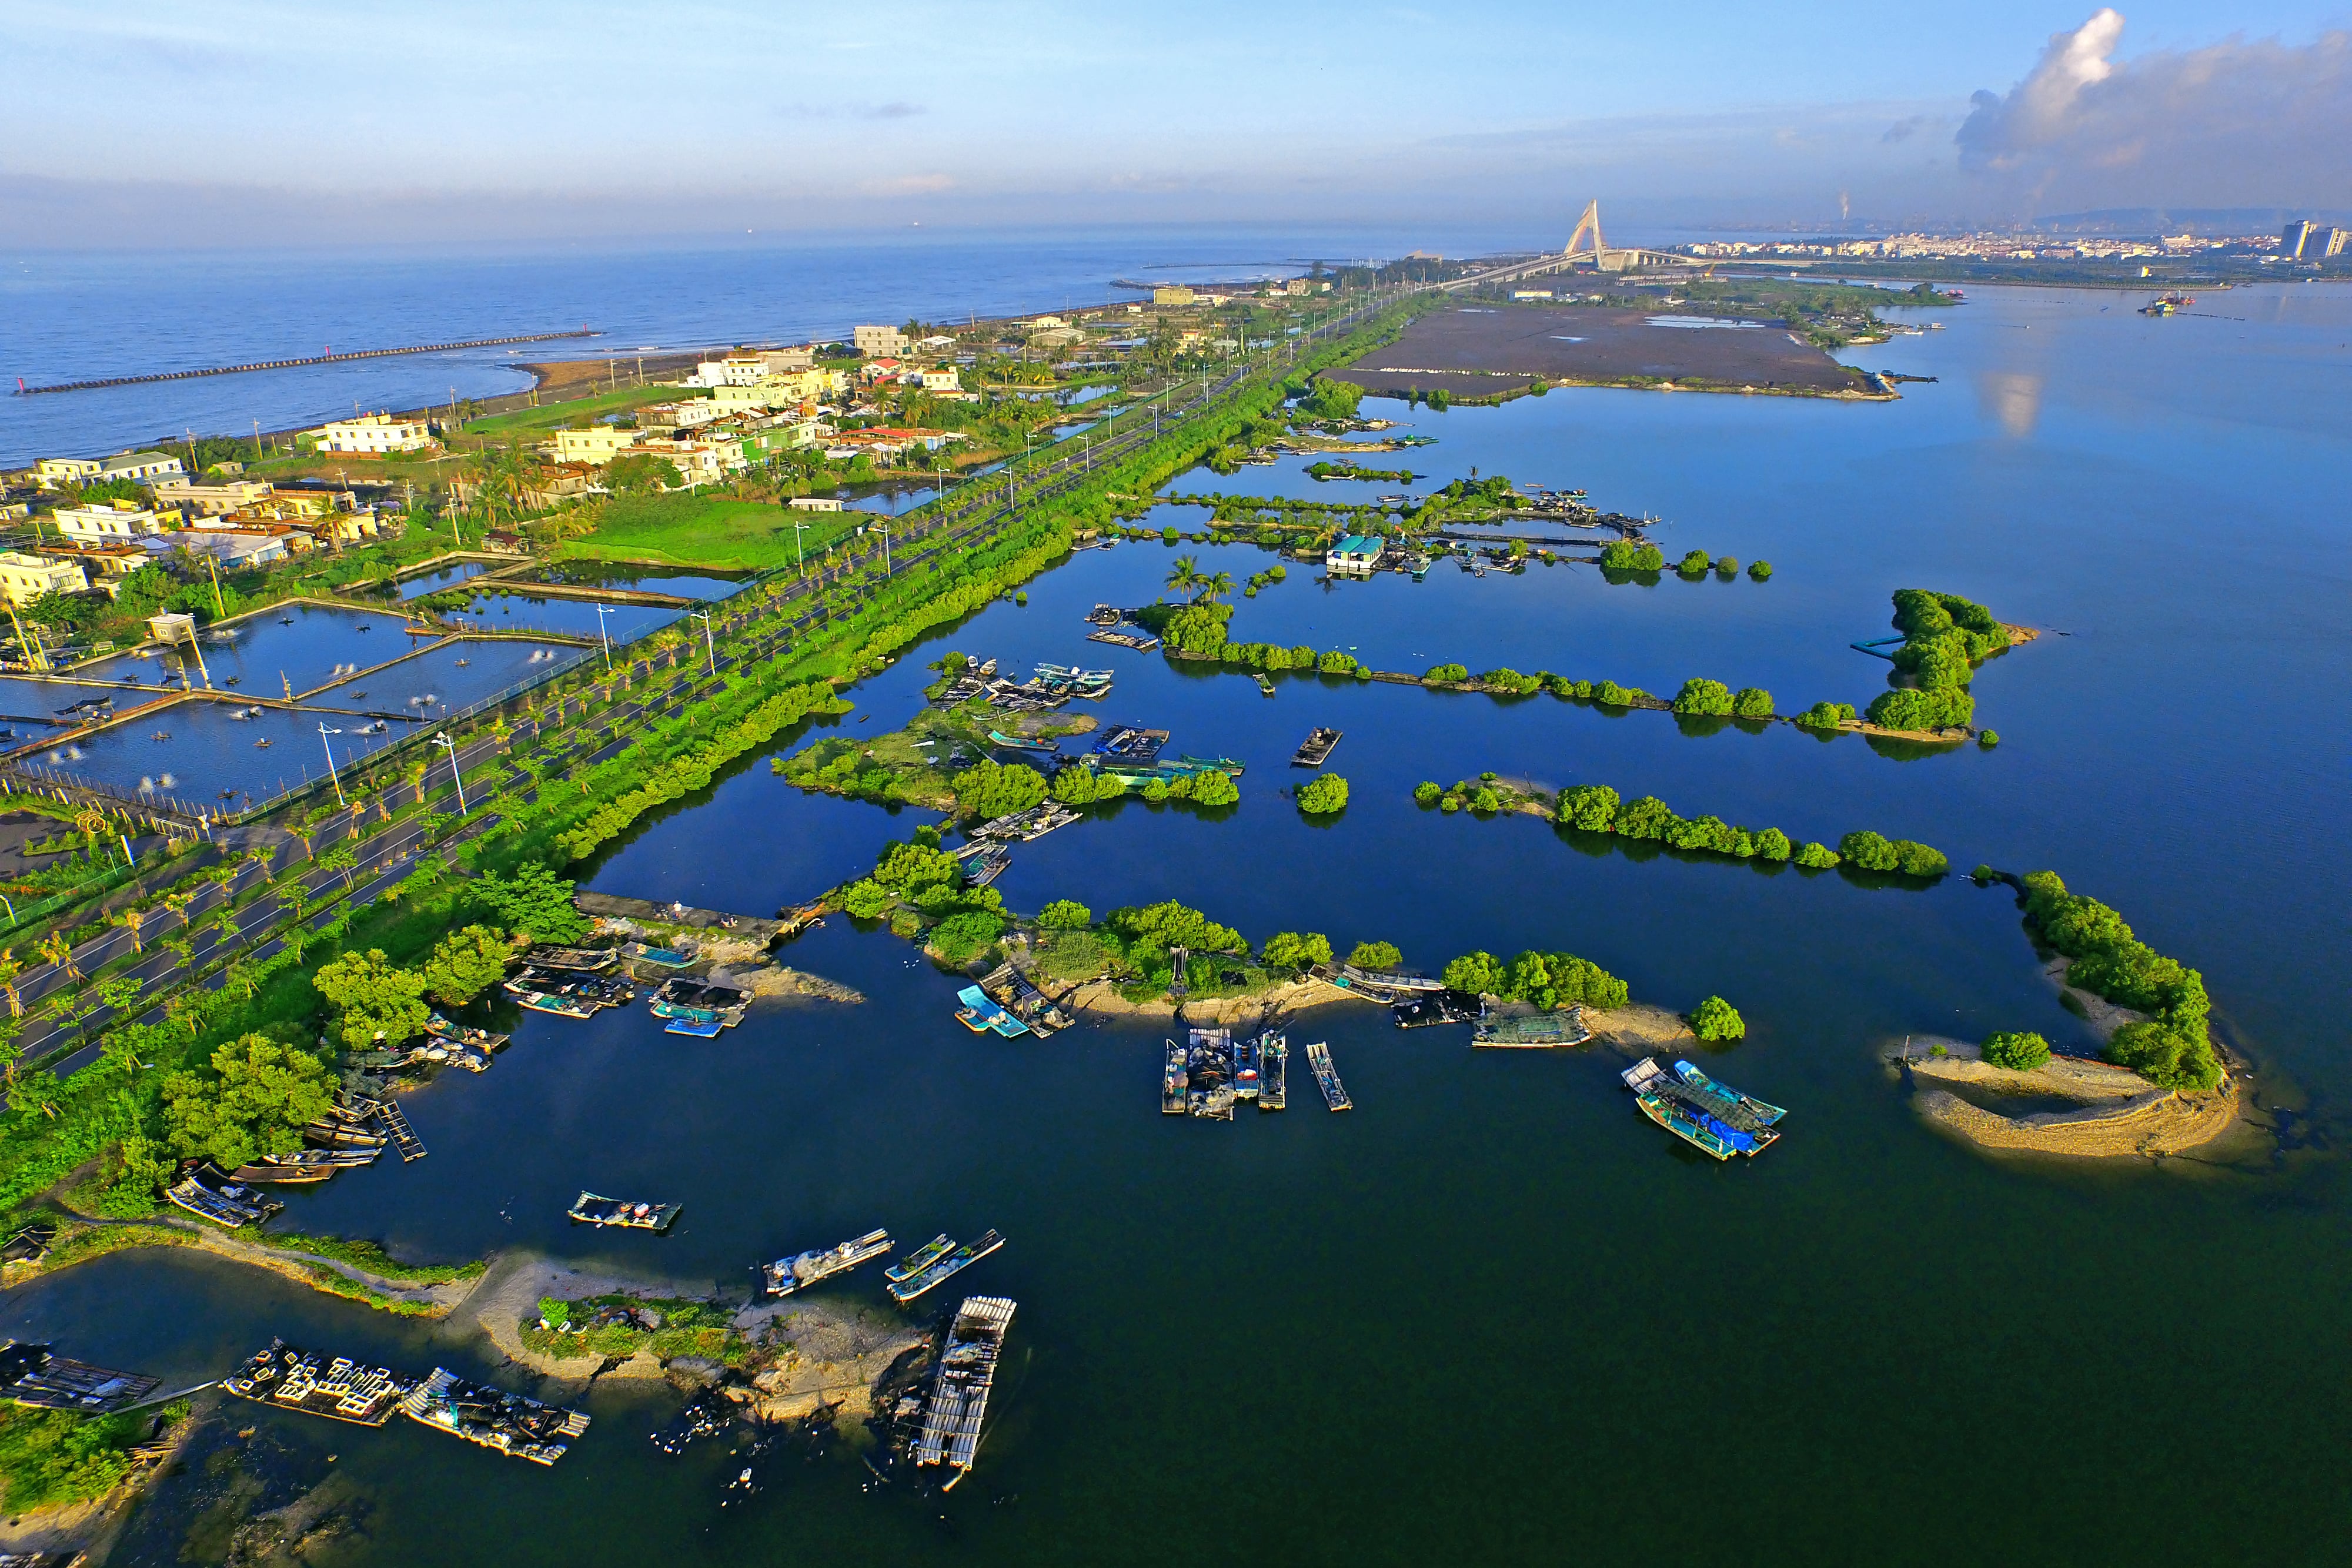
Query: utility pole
{"points": [[450, 746], [709, 645], [338, 778], [257, 440], [603, 639]]}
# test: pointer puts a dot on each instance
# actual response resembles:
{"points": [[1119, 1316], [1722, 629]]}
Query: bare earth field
{"points": [[1482, 353]]}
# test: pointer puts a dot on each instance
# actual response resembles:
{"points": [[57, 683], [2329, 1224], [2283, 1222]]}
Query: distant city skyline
{"points": [[250, 121]]}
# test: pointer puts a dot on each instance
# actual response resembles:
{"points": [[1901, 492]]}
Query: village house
{"points": [[374, 435], [111, 522], [210, 498], [25, 577]]}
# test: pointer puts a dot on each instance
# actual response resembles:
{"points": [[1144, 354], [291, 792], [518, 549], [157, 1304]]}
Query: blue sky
{"points": [[534, 119]]}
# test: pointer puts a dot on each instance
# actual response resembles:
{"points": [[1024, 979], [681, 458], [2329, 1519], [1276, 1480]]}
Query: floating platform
{"points": [[493, 1417], [786, 1275], [959, 1402], [982, 1015], [1011, 988], [573, 961], [1327, 1078], [1209, 1073], [1530, 1032], [946, 1268], [1174, 1080], [32, 1375], [1141, 641], [1419, 1009], [395, 1121], [1316, 749], [1130, 743], [595, 1208], [340, 1388]]}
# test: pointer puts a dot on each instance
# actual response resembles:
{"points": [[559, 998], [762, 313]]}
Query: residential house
{"points": [[211, 497], [111, 522], [334, 530], [51, 472], [683, 414], [734, 371], [558, 482], [1171, 294], [814, 504], [25, 577], [875, 342], [783, 362], [233, 545], [374, 435], [1057, 338], [598, 444], [140, 467], [105, 565], [883, 369], [1355, 554]]}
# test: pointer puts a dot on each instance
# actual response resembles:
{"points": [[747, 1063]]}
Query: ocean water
{"points": [[1493, 1314]]}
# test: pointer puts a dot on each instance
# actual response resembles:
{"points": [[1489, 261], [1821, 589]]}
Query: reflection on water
{"points": [[288, 647], [449, 576], [2012, 399]]}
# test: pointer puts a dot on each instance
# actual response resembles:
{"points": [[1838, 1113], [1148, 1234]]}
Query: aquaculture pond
{"points": [[1404, 1334], [650, 579], [445, 677], [297, 646], [439, 577], [520, 611]]}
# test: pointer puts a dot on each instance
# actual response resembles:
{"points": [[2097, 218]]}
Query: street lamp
{"points": [[323, 733], [603, 638], [704, 616], [449, 745], [800, 543]]}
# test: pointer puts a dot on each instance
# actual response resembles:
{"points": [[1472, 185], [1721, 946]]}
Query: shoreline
{"points": [[2116, 1113]]}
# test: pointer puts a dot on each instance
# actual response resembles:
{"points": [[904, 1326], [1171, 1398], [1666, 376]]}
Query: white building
{"points": [[52, 472], [374, 434], [25, 577], [938, 381], [878, 341], [110, 523]]}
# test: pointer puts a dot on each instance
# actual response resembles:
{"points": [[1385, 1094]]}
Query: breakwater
{"points": [[24, 390]]}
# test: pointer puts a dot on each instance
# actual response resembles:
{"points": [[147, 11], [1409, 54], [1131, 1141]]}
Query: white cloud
{"points": [[2236, 123]]}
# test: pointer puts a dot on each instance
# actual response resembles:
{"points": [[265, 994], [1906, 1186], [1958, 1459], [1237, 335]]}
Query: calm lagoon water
{"points": [[1487, 1314]]}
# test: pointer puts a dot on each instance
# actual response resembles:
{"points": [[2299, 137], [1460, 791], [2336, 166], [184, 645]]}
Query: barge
{"points": [[786, 1275], [1209, 1070], [1247, 1080], [959, 1402], [595, 1208], [1327, 1077], [940, 1273], [1717, 1121], [493, 1417], [31, 1375], [339, 1389], [1173, 1081], [1532, 1030]]}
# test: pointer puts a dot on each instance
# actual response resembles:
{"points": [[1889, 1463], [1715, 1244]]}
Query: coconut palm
{"points": [[1213, 586], [1184, 574]]}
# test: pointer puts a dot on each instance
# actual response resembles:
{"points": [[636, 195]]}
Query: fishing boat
{"points": [[991, 863], [940, 1273], [595, 1208], [1265, 684], [1726, 1102], [920, 1259], [786, 1275], [1327, 1077], [1245, 1069], [1011, 743], [666, 958], [1316, 749], [1683, 1109], [1209, 1069], [547, 1002], [1173, 1081], [1274, 1086], [575, 960], [982, 1016], [706, 1028], [441, 1028]]}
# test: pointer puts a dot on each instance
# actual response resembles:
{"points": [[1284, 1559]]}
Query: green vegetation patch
{"points": [[715, 531], [2175, 1049], [53, 1458], [620, 1325]]}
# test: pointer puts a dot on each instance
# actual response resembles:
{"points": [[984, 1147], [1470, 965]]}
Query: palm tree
{"points": [[1183, 574], [1213, 586], [59, 952]]}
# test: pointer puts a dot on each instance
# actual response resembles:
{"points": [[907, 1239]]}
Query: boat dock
{"points": [[395, 1121], [749, 927], [1010, 987], [1033, 823], [1141, 641], [1209, 1073], [1327, 1077], [982, 1015], [339, 1389], [959, 1402], [1316, 749], [595, 1208], [1130, 743]]}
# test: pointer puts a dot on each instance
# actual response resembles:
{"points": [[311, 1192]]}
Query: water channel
{"points": [[1491, 1315]]}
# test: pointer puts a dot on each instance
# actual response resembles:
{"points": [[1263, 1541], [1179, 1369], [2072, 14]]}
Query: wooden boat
{"points": [[1316, 749], [1265, 685], [1274, 1081], [920, 1259], [1327, 1077], [1038, 747], [574, 960], [940, 1273], [595, 1208], [982, 1015], [1691, 1115], [786, 1275], [666, 958], [1173, 1081], [561, 1007]]}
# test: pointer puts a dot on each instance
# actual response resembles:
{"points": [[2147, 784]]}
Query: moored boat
{"points": [[1680, 1108], [1274, 1087], [1246, 1078], [920, 1259], [946, 1268], [546, 1002], [1327, 1077], [786, 1275], [1173, 1081]]}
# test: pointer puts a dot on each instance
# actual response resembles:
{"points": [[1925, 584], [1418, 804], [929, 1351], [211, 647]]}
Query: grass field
{"points": [[707, 531], [556, 415]]}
